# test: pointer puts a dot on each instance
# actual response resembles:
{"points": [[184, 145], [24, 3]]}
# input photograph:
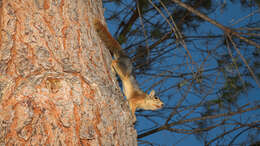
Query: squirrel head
{"points": [[152, 102]]}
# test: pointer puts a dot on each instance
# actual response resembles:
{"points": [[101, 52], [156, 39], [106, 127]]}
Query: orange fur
{"points": [[107, 38], [123, 67]]}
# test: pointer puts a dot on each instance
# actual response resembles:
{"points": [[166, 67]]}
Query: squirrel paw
{"points": [[134, 119], [112, 66]]}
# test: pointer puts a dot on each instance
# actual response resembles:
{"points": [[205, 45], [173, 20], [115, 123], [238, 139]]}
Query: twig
{"points": [[244, 60], [224, 28], [166, 126]]}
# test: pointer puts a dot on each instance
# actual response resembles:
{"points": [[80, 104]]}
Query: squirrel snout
{"points": [[161, 104]]}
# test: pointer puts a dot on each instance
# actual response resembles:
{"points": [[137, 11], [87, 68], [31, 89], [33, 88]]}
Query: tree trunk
{"points": [[56, 86]]}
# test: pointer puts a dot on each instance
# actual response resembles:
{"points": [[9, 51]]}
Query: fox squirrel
{"points": [[122, 64]]}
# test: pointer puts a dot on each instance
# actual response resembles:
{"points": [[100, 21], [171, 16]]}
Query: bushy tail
{"points": [[107, 38]]}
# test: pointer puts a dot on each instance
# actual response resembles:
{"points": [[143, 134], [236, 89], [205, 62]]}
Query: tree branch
{"points": [[166, 126], [224, 28]]}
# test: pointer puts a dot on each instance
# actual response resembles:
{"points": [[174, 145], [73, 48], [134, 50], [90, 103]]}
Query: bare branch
{"points": [[224, 28]]}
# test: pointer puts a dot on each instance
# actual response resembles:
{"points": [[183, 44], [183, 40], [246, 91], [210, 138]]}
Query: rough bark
{"points": [[56, 86]]}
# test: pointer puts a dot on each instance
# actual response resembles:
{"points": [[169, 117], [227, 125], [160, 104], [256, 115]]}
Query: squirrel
{"points": [[122, 65]]}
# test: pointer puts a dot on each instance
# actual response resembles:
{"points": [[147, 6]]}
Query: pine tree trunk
{"points": [[56, 86]]}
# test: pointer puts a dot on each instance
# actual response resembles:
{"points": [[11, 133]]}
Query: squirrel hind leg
{"points": [[117, 69], [125, 65], [112, 66]]}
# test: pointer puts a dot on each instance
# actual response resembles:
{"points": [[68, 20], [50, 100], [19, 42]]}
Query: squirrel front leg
{"points": [[132, 108], [119, 71]]}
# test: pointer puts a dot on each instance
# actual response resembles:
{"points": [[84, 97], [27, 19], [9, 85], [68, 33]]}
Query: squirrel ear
{"points": [[152, 93]]}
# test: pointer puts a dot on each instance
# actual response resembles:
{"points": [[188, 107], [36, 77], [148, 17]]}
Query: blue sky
{"points": [[165, 138]]}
